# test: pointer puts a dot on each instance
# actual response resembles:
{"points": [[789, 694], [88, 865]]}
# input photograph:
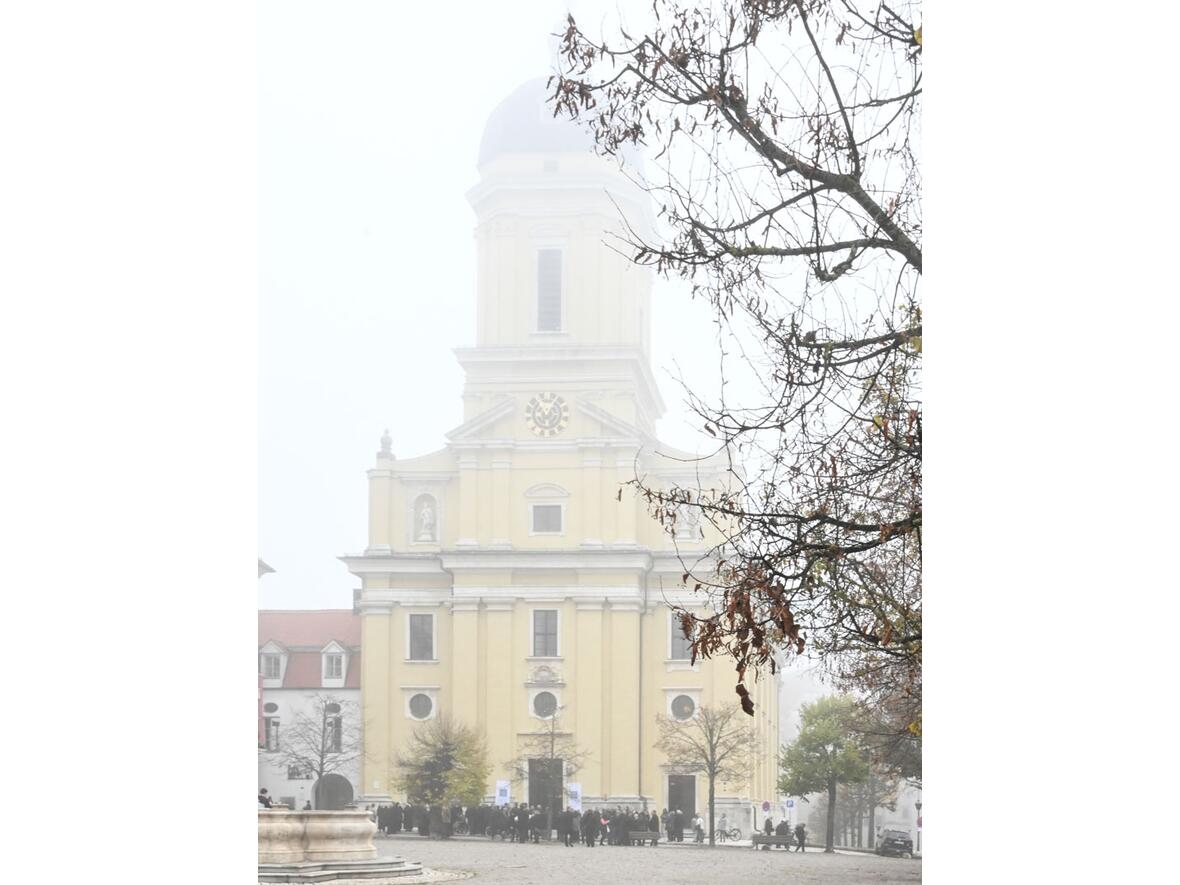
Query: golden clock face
{"points": [[547, 414]]}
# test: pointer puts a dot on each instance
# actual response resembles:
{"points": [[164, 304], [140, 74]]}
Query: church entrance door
{"points": [[545, 784], [682, 794]]}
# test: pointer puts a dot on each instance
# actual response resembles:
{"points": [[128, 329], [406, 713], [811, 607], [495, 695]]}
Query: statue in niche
{"points": [[688, 523], [425, 521]]}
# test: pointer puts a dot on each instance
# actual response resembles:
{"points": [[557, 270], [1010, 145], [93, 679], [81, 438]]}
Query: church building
{"points": [[510, 578]]}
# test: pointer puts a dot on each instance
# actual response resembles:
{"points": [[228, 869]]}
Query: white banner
{"points": [[501, 792], [574, 791]]}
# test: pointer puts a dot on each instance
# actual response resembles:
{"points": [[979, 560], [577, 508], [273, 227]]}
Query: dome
{"points": [[523, 123]]}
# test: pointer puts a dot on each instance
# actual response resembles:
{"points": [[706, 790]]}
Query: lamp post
{"points": [[918, 805]]}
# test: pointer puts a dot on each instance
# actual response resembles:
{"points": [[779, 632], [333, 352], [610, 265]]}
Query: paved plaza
{"points": [[506, 863]]}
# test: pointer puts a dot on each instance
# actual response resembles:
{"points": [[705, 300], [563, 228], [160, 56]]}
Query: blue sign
{"points": [[790, 803]]}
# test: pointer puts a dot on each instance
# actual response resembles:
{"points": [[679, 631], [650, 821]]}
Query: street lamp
{"points": [[918, 805]]}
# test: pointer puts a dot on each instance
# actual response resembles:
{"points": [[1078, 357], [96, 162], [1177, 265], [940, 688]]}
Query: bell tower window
{"points": [[548, 290]]}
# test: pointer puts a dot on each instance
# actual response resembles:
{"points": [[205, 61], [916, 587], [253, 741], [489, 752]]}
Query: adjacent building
{"points": [[309, 663]]}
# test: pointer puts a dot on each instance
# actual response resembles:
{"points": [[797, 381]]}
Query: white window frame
{"points": [[673, 632], [433, 639], [532, 519], [553, 690], [266, 727], [333, 657], [267, 658], [670, 694], [560, 248], [533, 656], [431, 691]]}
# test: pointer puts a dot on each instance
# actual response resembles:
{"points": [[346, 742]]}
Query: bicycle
{"points": [[733, 834]]}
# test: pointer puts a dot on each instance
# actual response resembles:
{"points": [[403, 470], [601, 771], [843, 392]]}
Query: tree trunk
{"points": [[829, 842], [711, 797], [872, 823]]}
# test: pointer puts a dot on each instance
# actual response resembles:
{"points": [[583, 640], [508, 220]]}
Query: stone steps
{"points": [[332, 871]]}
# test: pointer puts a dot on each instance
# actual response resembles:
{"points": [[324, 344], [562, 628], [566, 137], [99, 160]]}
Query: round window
{"points": [[545, 704], [683, 707], [420, 706], [271, 708], [332, 709]]}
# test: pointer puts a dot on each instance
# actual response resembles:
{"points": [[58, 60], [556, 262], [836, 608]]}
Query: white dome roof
{"points": [[523, 123]]}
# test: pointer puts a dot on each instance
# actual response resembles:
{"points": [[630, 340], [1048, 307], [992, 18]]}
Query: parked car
{"points": [[895, 842]]}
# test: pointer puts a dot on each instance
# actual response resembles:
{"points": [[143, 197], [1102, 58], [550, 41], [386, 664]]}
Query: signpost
{"points": [[501, 792], [575, 796]]}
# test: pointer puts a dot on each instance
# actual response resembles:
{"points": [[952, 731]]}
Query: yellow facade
{"points": [[466, 534]]}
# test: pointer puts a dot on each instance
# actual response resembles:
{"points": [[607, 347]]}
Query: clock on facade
{"points": [[547, 414]]}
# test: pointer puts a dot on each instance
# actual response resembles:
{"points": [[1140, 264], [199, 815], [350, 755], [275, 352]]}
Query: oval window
{"points": [[420, 706], [332, 709], [683, 707], [271, 708], [545, 704]]}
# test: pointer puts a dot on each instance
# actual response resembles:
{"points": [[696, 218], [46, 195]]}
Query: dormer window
{"points": [[548, 290], [333, 666], [271, 666]]}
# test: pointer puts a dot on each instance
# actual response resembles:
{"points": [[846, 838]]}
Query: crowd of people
{"points": [[522, 823]]}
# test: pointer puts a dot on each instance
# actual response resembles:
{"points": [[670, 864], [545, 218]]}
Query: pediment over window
{"points": [[546, 490]]}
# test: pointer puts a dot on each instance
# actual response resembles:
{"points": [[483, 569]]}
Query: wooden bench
{"points": [[643, 837], [787, 842]]}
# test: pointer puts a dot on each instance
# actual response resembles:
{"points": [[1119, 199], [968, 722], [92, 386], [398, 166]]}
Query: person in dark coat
{"points": [[784, 830], [677, 826], [590, 826], [800, 837], [422, 816], [653, 825], [522, 823], [396, 818], [264, 798]]}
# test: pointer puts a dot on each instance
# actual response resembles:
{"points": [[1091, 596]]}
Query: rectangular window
{"points": [[545, 633], [295, 773], [272, 733], [547, 518], [681, 645], [335, 734], [421, 637], [333, 666], [549, 290], [270, 666]]}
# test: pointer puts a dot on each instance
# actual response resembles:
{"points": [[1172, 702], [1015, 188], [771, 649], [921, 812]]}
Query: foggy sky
{"points": [[368, 141]]}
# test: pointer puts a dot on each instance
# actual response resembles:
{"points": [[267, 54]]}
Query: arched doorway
{"points": [[332, 793]]}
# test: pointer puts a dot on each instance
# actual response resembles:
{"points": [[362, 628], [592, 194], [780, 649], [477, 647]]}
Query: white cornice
{"points": [[397, 564], [455, 560]]}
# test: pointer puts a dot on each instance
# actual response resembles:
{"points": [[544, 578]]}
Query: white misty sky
{"points": [[370, 120]]}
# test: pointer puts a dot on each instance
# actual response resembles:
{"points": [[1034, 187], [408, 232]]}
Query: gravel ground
{"points": [[506, 863]]}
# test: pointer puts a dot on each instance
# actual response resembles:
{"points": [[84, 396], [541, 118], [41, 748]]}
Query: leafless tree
{"points": [[716, 741], [559, 754], [785, 137], [325, 739]]}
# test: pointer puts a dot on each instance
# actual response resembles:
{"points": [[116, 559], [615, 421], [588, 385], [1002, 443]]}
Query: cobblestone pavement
{"points": [[505, 863]]}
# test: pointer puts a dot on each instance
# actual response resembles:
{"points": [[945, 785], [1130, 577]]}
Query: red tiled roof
{"points": [[310, 628], [303, 671]]}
